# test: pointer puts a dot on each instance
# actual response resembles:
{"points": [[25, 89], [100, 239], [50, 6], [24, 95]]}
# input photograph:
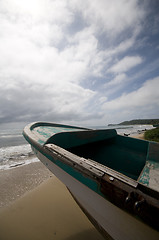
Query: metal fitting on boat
{"points": [[129, 197], [138, 204], [111, 179]]}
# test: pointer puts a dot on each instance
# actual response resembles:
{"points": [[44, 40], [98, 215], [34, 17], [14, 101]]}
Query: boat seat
{"points": [[77, 138]]}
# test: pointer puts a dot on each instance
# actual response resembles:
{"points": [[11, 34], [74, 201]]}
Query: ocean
{"points": [[15, 151]]}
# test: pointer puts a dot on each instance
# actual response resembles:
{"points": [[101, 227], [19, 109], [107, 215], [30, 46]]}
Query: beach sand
{"points": [[14, 182], [37, 206], [139, 136]]}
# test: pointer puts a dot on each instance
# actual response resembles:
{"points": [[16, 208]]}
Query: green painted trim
{"points": [[70, 170], [90, 183]]}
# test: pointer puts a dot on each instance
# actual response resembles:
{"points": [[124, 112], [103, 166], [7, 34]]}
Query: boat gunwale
{"points": [[33, 139], [95, 168]]}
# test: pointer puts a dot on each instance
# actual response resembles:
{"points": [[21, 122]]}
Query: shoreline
{"points": [[15, 182], [138, 136]]}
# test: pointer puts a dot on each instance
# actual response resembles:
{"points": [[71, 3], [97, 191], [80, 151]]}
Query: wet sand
{"points": [[139, 136], [15, 182], [43, 212]]}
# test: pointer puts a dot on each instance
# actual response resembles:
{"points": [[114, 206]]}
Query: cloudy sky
{"points": [[83, 62]]}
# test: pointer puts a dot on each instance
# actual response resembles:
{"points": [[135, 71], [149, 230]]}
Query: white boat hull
{"points": [[112, 220]]}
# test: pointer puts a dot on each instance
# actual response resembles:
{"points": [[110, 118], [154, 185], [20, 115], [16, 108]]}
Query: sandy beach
{"points": [[35, 205], [15, 182], [139, 136]]}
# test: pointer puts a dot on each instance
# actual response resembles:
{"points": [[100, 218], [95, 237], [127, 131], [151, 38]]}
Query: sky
{"points": [[80, 62]]}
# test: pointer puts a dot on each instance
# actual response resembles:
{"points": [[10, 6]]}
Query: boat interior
{"points": [[123, 154], [118, 153]]}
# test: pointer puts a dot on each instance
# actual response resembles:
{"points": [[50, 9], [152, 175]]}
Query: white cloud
{"points": [[126, 64], [119, 79], [145, 97], [37, 79], [50, 47], [36, 11], [111, 16]]}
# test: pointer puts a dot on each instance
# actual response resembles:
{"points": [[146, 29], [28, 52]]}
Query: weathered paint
{"points": [[145, 176], [150, 172], [45, 132], [150, 175]]}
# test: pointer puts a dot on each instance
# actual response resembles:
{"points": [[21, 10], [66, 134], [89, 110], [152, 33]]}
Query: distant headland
{"points": [[138, 121]]}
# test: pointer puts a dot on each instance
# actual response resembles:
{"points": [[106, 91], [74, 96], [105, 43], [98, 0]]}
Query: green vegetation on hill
{"points": [[140, 121], [152, 135]]}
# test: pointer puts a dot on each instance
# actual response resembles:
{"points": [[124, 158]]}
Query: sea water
{"points": [[127, 129], [15, 151]]}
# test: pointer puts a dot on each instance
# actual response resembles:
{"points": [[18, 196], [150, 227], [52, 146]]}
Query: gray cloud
{"points": [[54, 68]]}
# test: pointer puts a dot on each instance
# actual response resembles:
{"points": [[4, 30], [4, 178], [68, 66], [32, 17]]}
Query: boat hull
{"points": [[113, 222]]}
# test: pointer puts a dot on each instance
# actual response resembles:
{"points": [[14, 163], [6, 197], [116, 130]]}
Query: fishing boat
{"points": [[113, 178], [156, 125]]}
